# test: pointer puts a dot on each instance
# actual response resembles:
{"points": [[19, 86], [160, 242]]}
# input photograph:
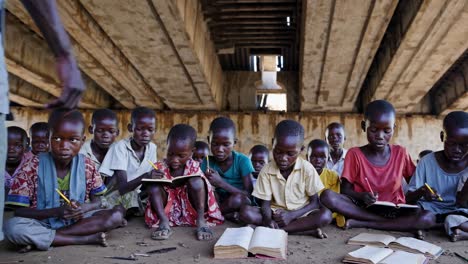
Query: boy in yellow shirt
{"points": [[317, 154], [288, 188]]}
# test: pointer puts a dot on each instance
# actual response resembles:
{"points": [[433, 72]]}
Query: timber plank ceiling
{"points": [[188, 54]]}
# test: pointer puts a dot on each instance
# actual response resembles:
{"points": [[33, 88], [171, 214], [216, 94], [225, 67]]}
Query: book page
{"points": [[384, 203], [162, 180], [185, 177], [402, 257], [408, 206], [374, 254], [421, 246], [265, 237], [236, 237], [365, 238]]}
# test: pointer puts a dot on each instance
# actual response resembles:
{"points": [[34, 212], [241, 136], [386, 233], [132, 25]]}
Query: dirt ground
{"points": [[125, 241]]}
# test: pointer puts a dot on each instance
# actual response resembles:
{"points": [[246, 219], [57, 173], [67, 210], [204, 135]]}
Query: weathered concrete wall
{"points": [[414, 132]]}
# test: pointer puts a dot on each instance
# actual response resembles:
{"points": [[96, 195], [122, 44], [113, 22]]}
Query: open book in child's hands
{"points": [[174, 181], [263, 242], [374, 255], [407, 244], [384, 206]]}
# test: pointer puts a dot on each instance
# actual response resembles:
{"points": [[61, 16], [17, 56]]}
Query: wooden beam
{"points": [[268, 7], [252, 21], [249, 15], [332, 64], [25, 94], [87, 63], [436, 38]]}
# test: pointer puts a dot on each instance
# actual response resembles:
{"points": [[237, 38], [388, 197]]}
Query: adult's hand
{"points": [[73, 85]]}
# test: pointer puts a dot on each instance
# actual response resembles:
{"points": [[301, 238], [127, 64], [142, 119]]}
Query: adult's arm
{"points": [[46, 17]]}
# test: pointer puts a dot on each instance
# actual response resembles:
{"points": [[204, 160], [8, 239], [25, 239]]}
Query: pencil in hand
{"points": [[154, 165], [63, 196], [432, 191]]}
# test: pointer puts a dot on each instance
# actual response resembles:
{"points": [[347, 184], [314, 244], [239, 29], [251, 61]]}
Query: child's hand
{"points": [[271, 224], [428, 195], [282, 217], [368, 198], [155, 174], [72, 211], [214, 177]]}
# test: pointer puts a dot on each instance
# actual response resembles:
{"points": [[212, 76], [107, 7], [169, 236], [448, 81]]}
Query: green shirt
{"points": [[241, 167]]}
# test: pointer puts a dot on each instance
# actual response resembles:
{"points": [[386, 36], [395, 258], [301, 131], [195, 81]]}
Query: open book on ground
{"points": [[175, 180], [262, 242], [374, 255], [408, 244]]}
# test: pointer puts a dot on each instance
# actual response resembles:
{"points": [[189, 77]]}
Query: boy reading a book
{"points": [[317, 154], [17, 144], [104, 129], [127, 161], [443, 172], [288, 187], [39, 133], [259, 156], [335, 136], [374, 172], [191, 204], [230, 172], [42, 218], [202, 150]]}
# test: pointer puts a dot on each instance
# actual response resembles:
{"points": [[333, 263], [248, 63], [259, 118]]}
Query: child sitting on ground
{"points": [[230, 172], [288, 187], [191, 204], [17, 144], [127, 161], [335, 136], [259, 156], [42, 218], [39, 133], [202, 150], [317, 154], [104, 128], [375, 171], [443, 171]]}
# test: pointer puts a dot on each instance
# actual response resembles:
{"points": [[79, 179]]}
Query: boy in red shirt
{"points": [[374, 172]]}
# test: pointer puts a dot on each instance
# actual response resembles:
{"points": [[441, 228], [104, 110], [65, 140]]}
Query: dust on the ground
{"points": [[135, 238]]}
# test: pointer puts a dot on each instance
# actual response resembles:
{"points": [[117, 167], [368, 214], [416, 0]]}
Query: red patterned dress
{"points": [[178, 208]]}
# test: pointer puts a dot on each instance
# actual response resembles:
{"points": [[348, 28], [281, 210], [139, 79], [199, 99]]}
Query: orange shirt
{"points": [[384, 180]]}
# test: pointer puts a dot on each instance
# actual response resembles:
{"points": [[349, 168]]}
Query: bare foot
{"points": [[98, 239], [25, 249], [124, 223], [420, 235], [458, 235], [348, 224], [204, 233], [320, 234]]}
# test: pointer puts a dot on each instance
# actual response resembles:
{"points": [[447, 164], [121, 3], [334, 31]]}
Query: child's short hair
{"points": [[335, 125], [39, 126], [141, 111], [183, 132], [456, 119], [289, 127], [259, 149], [102, 113], [222, 122], [424, 153], [60, 115], [201, 145], [378, 106], [317, 143], [19, 130]]}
